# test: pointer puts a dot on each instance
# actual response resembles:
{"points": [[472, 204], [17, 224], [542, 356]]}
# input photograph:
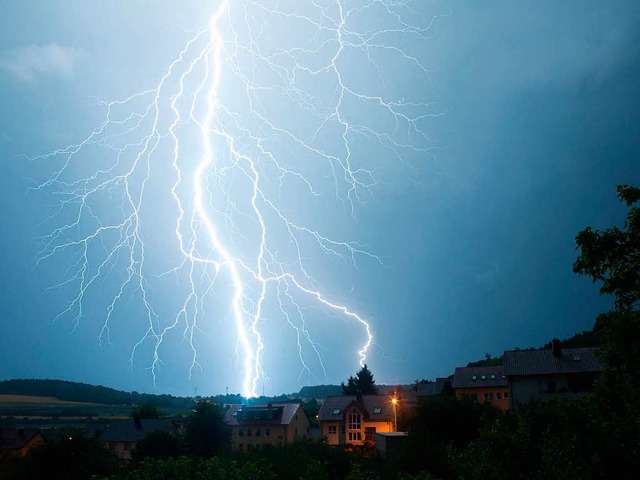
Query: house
{"points": [[351, 420], [18, 441], [121, 436], [273, 424], [546, 373], [441, 385], [482, 384]]}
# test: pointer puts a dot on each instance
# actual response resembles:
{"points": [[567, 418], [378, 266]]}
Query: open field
{"points": [[33, 399], [45, 411]]}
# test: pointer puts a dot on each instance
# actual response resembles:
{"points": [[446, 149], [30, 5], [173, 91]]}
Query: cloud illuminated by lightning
{"points": [[259, 109]]}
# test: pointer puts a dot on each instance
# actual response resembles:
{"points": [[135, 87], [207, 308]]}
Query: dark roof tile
{"points": [[479, 377], [541, 362]]}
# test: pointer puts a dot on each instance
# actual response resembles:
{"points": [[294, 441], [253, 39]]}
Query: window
{"points": [[333, 429], [240, 432], [486, 396], [370, 434], [355, 436], [267, 432], [354, 420], [498, 396], [377, 410], [336, 411], [484, 377], [239, 447], [490, 396], [280, 437], [474, 377], [493, 376], [249, 447], [248, 432], [257, 432]]}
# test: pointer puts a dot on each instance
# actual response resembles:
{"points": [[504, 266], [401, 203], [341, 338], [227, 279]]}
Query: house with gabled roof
{"points": [[545, 373], [122, 436], [18, 441], [253, 426], [482, 384], [351, 420]]}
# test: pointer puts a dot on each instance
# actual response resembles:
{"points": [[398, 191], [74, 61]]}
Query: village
{"points": [[365, 416]]}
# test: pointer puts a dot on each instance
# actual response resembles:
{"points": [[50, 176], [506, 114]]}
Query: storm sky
{"points": [[533, 123]]}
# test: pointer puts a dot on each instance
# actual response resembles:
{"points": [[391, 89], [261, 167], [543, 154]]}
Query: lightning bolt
{"points": [[208, 138]]}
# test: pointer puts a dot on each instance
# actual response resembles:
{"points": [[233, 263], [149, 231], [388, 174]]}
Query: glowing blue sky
{"points": [[539, 124]]}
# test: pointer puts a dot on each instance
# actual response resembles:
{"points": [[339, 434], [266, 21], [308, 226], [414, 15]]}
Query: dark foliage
{"points": [[158, 445], [146, 412], [613, 256], [207, 434], [362, 384]]}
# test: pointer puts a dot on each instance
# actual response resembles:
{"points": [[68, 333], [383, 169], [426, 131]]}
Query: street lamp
{"points": [[394, 400]]}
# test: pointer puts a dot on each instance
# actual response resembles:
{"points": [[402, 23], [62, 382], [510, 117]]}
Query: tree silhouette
{"points": [[612, 257], [207, 434], [362, 384]]}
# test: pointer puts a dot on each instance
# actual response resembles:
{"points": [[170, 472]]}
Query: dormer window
{"points": [[377, 410], [484, 377], [493, 376], [475, 377], [336, 411]]}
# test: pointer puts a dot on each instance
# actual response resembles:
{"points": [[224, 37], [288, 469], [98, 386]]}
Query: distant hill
{"points": [[82, 392], [320, 391]]}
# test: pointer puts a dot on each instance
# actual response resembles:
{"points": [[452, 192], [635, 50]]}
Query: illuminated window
{"points": [[355, 436], [354, 420]]}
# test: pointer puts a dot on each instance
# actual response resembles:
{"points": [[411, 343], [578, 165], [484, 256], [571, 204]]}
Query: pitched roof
{"points": [[130, 431], [271, 414], [16, 438], [426, 389], [541, 362], [375, 407], [479, 377]]}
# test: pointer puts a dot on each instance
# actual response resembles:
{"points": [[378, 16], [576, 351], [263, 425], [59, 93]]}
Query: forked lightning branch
{"points": [[270, 105]]}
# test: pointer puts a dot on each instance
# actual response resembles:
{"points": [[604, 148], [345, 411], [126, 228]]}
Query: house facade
{"points": [[253, 426], [351, 420], [546, 373], [482, 384]]}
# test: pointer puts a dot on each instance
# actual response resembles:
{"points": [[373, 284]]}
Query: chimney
{"points": [[555, 345]]}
